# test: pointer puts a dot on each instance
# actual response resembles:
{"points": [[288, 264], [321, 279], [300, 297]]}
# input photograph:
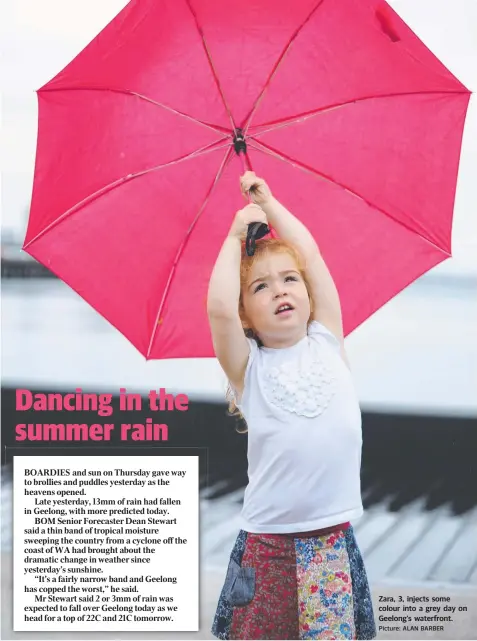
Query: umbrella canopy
{"points": [[354, 123]]}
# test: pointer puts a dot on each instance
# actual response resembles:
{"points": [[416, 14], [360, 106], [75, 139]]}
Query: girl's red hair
{"points": [[262, 248]]}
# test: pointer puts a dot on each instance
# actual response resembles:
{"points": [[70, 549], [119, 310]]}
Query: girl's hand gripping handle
{"points": [[258, 192], [248, 218]]}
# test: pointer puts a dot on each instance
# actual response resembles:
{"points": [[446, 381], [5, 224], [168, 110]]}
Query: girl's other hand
{"points": [[258, 189], [244, 217]]}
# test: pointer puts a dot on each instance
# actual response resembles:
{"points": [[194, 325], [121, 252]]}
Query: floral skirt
{"points": [[283, 587]]}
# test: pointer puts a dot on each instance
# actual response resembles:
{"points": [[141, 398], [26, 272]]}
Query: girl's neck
{"points": [[284, 343]]}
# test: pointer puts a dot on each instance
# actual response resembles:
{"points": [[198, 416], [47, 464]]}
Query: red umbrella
{"points": [[353, 122]]}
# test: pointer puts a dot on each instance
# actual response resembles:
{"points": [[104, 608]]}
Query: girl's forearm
{"points": [[288, 227], [224, 285]]}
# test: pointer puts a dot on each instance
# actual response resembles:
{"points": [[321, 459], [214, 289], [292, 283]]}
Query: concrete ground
{"points": [[464, 625]]}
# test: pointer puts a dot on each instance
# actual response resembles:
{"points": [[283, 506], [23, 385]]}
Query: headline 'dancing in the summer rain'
{"points": [[79, 401]]}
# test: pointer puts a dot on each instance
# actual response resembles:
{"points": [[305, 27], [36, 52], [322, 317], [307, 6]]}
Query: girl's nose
{"points": [[279, 290]]}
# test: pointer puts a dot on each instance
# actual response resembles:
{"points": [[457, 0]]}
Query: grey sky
{"points": [[39, 37]]}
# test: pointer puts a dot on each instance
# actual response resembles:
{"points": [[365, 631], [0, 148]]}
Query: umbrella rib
{"points": [[120, 181], [296, 163], [211, 64], [182, 247], [281, 57], [128, 92], [286, 122]]}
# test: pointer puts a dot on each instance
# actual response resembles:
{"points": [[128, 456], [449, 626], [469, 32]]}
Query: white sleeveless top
{"points": [[304, 437]]}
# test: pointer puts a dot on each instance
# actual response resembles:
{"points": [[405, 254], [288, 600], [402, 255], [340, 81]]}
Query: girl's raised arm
{"points": [[230, 345], [327, 309]]}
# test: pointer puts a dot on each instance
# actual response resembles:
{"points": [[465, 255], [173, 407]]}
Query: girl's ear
{"points": [[248, 331], [243, 319], [312, 305]]}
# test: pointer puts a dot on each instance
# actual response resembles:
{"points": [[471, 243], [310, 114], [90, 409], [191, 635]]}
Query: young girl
{"points": [[295, 571]]}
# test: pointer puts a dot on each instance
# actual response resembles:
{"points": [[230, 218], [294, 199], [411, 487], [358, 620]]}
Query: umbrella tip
{"points": [[239, 142]]}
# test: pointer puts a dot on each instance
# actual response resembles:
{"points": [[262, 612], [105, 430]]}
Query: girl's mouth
{"points": [[284, 308]]}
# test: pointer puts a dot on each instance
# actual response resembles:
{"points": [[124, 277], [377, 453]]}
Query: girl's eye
{"points": [[291, 278], [259, 287]]}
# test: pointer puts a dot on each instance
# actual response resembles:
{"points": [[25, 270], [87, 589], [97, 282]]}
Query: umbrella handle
{"points": [[255, 230]]}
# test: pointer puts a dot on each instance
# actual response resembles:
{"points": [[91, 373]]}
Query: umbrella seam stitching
{"points": [[275, 68], [117, 183], [303, 167], [182, 247], [279, 124], [209, 59], [129, 92]]}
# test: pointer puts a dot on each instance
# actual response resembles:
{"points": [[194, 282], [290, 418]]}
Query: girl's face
{"points": [[275, 300]]}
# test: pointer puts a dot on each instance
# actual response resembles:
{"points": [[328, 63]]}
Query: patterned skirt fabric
{"points": [[283, 587]]}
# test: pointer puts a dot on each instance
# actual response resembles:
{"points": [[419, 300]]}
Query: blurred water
{"points": [[417, 354]]}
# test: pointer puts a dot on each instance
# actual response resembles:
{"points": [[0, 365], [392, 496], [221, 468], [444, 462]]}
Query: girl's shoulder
{"points": [[320, 333]]}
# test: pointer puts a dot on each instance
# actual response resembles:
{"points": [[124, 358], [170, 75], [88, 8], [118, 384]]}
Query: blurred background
{"points": [[414, 361]]}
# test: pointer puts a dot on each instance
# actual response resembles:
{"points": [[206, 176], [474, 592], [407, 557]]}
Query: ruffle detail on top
{"points": [[305, 389]]}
